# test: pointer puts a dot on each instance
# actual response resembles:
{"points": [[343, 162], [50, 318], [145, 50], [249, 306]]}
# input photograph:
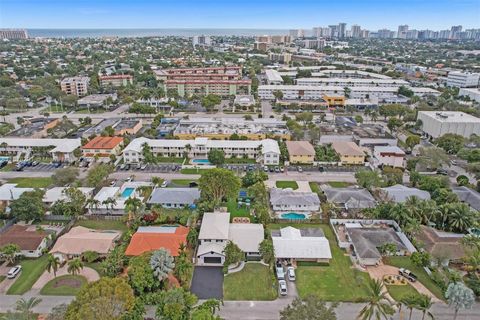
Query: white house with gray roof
{"points": [[400, 193], [469, 196], [293, 201], [174, 197], [349, 198]]}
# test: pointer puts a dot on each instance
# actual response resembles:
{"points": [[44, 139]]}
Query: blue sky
{"points": [[279, 14]]}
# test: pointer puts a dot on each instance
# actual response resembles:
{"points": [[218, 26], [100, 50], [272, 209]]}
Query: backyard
{"points": [[235, 211], [41, 182], [103, 224], [329, 282], [422, 276], [287, 184], [32, 269], [254, 282], [181, 182], [67, 285]]}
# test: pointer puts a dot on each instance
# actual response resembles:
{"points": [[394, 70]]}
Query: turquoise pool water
{"points": [[201, 161], [475, 232], [127, 192], [293, 216]]}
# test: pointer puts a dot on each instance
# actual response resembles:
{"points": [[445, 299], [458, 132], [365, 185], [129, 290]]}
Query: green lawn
{"points": [[32, 182], [32, 269], [398, 292], [8, 167], [335, 282], [422, 276], [169, 160], [240, 161], [237, 212], [193, 171], [287, 184], [338, 184], [103, 224], [182, 182], [314, 186], [2, 278], [55, 109], [66, 285], [254, 282]]}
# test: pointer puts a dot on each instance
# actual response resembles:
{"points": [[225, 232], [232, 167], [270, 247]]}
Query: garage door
{"points": [[212, 260]]}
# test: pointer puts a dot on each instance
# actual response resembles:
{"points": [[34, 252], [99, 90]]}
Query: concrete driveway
{"points": [[378, 272], [90, 274], [207, 282]]}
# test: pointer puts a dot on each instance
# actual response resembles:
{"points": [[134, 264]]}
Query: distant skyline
{"points": [[259, 14]]}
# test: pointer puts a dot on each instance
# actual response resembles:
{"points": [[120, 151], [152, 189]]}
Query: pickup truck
{"points": [[407, 274], [280, 272]]}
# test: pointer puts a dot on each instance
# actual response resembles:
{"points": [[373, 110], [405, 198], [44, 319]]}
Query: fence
{"points": [[298, 221]]}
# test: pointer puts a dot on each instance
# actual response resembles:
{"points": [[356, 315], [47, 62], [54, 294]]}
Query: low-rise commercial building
{"points": [[102, 148], [300, 152], [463, 79], [349, 82], [266, 151], [77, 86], [95, 100], [437, 123], [472, 93]]}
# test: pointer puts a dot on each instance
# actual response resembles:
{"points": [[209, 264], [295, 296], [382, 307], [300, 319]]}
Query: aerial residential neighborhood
{"points": [[293, 168]]}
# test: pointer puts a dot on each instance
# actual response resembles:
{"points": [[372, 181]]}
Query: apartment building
{"points": [[349, 152], [345, 82], [13, 34], [222, 81], [273, 77], [293, 92], [463, 79], [102, 148], [435, 124], [266, 151], [284, 57], [300, 152], [61, 149], [120, 80], [77, 86]]}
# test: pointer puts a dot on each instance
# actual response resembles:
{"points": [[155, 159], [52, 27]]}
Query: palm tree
{"points": [[52, 264], [24, 307], [162, 263], [411, 302], [157, 180], [75, 266], [374, 116], [378, 306], [132, 205], [93, 203], [424, 305]]}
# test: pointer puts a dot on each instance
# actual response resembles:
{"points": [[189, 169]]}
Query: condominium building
{"points": [[13, 34], [201, 41], [102, 148], [61, 149], [224, 128], [273, 77], [284, 57], [266, 151], [222, 81], [435, 124], [345, 82], [77, 86], [463, 79], [120, 80]]}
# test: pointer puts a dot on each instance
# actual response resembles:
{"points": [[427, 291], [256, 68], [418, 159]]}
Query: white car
{"points": [[164, 184], [282, 287], [112, 183], [12, 273], [291, 273]]}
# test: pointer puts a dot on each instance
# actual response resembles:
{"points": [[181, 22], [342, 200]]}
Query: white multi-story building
{"points": [[273, 77], [346, 82], [61, 149], [77, 86], [472, 93], [266, 151], [463, 79], [201, 41], [435, 124]]}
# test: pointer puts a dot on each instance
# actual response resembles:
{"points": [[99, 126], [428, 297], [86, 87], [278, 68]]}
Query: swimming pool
{"points": [[127, 192], [293, 216], [201, 161]]}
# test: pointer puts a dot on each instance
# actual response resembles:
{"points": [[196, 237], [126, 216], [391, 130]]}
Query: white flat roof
{"points": [[273, 75], [58, 193], [450, 116]]}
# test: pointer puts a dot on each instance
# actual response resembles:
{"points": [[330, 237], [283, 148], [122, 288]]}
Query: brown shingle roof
{"points": [[441, 244], [347, 148], [300, 148], [26, 237]]}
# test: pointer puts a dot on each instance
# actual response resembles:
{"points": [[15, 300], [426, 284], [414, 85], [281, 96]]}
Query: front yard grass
{"points": [[103, 224], [193, 171], [338, 184], [336, 282], [66, 285], [181, 182], [40, 182], [399, 292], [287, 184], [254, 282], [422, 276], [32, 269]]}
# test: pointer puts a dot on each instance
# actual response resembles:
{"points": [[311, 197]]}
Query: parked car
{"points": [[282, 169], [280, 272], [123, 166], [164, 184], [282, 287], [3, 164], [291, 273], [139, 166], [442, 172], [143, 167], [12, 273], [321, 169], [407, 274], [265, 168], [35, 163], [112, 183], [299, 169], [277, 169]]}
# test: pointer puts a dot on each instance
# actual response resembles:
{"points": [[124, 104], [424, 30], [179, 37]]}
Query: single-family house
{"points": [[174, 197], [400, 193], [391, 156], [292, 201], [442, 245], [10, 192], [80, 239], [216, 231], [58, 193], [151, 238], [300, 152], [349, 198], [349, 152], [308, 244], [469, 196], [28, 238]]}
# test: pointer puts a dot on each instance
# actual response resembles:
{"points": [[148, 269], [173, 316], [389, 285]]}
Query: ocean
{"points": [[97, 33]]}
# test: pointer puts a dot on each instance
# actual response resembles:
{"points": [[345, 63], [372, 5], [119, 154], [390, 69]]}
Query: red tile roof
{"points": [[103, 143], [149, 241]]}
